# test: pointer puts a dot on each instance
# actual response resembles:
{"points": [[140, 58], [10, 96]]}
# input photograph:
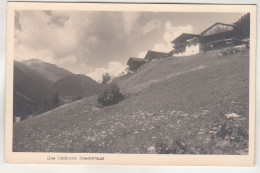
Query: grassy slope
{"points": [[176, 105]]}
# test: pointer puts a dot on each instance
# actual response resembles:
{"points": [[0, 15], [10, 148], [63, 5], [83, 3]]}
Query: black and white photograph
{"points": [[169, 83]]}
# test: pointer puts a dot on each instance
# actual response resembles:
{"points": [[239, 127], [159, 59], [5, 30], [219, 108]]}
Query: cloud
{"points": [[171, 32], [53, 37], [40, 32], [162, 47], [141, 54], [28, 53], [69, 38], [114, 69], [150, 26], [130, 19], [58, 19], [92, 38]]}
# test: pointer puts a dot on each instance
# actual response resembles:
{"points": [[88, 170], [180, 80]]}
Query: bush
{"points": [[111, 95]]}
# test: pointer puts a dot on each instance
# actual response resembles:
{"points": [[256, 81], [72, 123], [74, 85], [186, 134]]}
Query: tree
{"points": [[45, 106], [55, 101], [106, 78]]}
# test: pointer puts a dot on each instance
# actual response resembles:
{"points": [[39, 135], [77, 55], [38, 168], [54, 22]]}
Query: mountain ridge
{"points": [[30, 90], [35, 89], [50, 71]]}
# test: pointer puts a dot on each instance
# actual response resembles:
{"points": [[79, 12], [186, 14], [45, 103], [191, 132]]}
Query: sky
{"points": [[98, 42]]}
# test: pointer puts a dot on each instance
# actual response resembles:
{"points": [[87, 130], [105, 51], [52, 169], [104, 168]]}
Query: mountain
{"points": [[41, 86], [47, 70], [30, 90], [76, 86], [174, 105]]}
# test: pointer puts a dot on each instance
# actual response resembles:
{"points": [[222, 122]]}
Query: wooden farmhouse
{"points": [[187, 44], [135, 63], [153, 55], [216, 36]]}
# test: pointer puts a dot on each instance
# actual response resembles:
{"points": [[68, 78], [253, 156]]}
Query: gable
{"points": [[133, 60], [217, 28], [183, 38], [155, 55]]}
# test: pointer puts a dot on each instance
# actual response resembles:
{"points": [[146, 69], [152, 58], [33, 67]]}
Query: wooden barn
{"points": [[153, 55], [135, 63], [216, 36]]}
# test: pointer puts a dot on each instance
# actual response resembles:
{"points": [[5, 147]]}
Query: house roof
{"points": [[183, 37], [153, 54], [132, 59], [216, 24]]}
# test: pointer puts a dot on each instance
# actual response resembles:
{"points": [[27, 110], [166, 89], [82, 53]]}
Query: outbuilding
{"points": [[135, 63]]}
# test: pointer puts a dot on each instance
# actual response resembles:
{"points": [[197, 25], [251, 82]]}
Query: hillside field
{"points": [[191, 105]]}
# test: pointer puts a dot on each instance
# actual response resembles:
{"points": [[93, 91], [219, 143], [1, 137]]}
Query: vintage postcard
{"points": [[130, 84]]}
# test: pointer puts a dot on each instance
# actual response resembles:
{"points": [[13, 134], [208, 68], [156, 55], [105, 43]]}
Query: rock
{"points": [[152, 128], [232, 115], [151, 149]]}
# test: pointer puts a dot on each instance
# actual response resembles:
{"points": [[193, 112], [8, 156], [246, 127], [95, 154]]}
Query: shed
{"points": [[135, 63]]}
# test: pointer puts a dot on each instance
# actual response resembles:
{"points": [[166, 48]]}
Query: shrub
{"points": [[111, 95]]}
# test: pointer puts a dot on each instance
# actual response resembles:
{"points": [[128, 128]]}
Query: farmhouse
{"points": [[221, 35], [187, 44], [153, 55], [216, 36], [135, 63]]}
